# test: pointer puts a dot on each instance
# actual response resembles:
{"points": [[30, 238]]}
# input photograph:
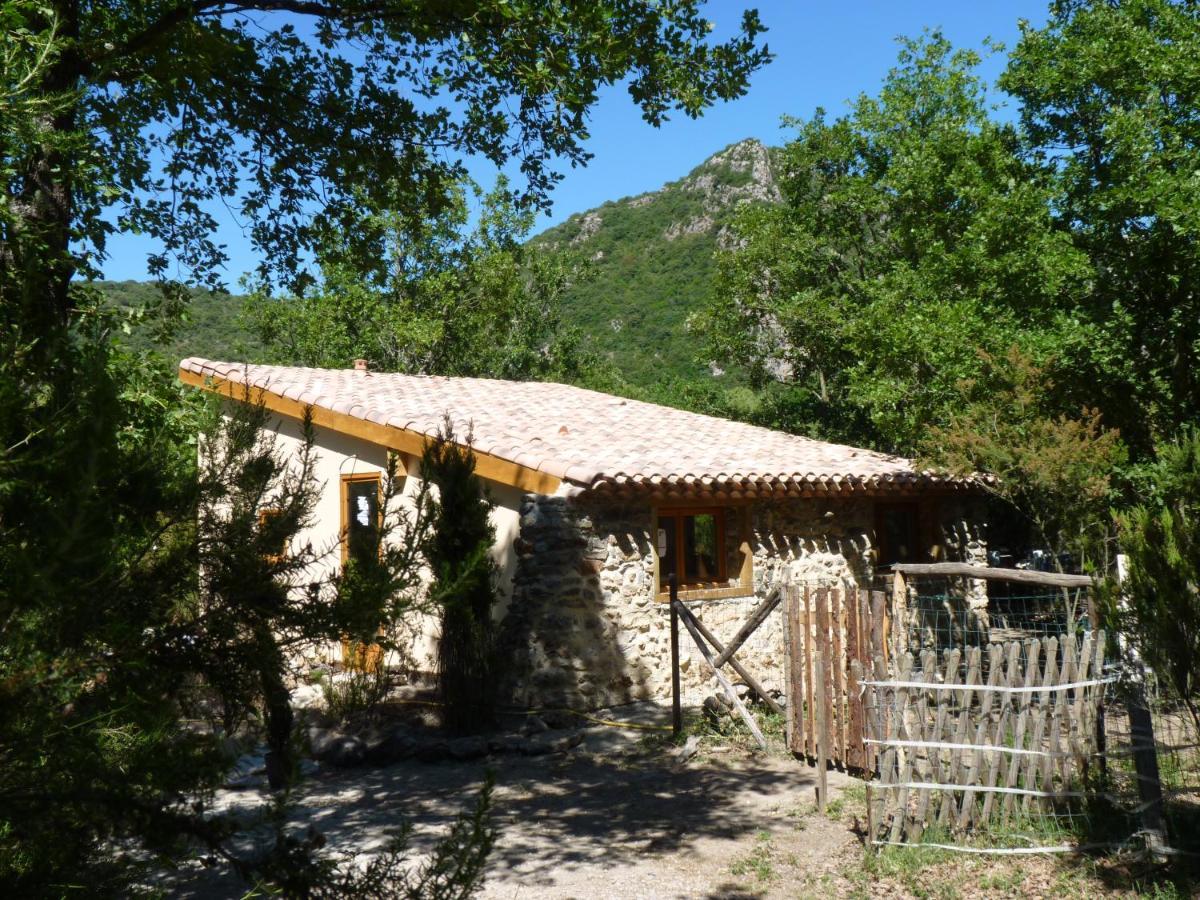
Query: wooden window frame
{"points": [[359, 656], [737, 516], [344, 500]]}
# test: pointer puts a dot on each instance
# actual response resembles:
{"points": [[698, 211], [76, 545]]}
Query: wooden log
{"points": [[878, 626], [1145, 764], [951, 806], [689, 622], [856, 734], [905, 754], [838, 622], [751, 625], [1038, 713], [750, 680], [854, 722], [1021, 576], [888, 766], [900, 612], [870, 751], [1032, 655], [825, 684], [928, 729], [795, 666], [1098, 726]]}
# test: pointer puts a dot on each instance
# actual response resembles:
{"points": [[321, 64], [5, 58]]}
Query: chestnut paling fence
{"points": [[1012, 752], [997, 729]]}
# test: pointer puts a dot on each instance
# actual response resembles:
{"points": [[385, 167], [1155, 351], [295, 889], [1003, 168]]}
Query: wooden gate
{"points": [[834, 633]]}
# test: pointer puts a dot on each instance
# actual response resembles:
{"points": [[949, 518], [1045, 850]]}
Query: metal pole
{"points": [[676, 708]]}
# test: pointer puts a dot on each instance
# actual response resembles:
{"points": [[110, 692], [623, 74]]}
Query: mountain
{"points": [[650, 259], [652, 262]]}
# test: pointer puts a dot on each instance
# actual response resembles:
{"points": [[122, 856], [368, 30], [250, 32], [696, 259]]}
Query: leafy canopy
{"points": [[306, 116], [1109, 94], [913, 235]]}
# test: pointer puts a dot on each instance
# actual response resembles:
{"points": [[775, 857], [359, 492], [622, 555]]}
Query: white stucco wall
{"points": [[336, 455]]}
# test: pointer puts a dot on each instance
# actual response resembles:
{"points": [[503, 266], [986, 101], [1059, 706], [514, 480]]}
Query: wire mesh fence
{"points": [[947, 613], [1152, 764]]}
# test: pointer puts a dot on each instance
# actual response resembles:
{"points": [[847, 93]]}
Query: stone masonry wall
{"points": [[586, 630]]}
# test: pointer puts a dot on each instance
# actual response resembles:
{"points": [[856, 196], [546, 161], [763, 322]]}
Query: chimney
{"points": [[360, 365]]}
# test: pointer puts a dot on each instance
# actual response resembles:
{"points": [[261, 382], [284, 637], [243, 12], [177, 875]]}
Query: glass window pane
{"points": [[362, 517], [666, 549], [700, 547], [898, 541]]}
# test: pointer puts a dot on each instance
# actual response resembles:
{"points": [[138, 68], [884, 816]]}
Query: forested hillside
{"points": [[652, 262], [211, 327]]}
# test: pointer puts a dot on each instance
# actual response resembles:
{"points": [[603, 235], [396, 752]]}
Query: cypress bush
{"points": [[457, 551]]}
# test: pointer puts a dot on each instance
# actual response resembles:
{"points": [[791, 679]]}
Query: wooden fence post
{"points": [[822, 731], [900, 613], [1145, 762], [676, 704]]}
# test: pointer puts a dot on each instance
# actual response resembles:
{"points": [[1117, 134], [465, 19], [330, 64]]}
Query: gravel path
{"points": [[615, 817]]}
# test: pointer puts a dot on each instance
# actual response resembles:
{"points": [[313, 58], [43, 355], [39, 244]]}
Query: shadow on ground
{"points": [[567, 825]]}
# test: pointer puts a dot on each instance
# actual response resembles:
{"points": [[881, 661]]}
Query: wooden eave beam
{"points": [[402, 440]]}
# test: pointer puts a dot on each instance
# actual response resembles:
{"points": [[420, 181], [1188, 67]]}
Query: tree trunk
{"points": [[36, 265], [277, 711]]}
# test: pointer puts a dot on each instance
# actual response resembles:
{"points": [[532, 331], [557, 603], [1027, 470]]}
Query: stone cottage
{"points": [[597, 498]]}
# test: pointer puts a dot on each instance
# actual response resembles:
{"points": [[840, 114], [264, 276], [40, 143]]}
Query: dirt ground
{"points": [[619, 817]]}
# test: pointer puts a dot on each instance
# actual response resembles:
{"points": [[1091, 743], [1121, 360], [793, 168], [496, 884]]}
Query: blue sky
{"points": [[826, 54]]}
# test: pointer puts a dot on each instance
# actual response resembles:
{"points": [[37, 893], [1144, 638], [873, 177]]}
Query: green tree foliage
{"points": [[1055, 469], [913, 235], [1108, 97], [309, 117], [1158, 606], [139, 116], [209, 325], [442, 302], [458, 551], [96, 558]]}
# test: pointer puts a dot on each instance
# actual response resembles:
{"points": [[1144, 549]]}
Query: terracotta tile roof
{"points": [[590, 440]]}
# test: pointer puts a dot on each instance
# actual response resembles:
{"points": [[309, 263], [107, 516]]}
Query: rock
{"points": [[688, 750], [558, 719], [308, 695], [385, 749], [534, 725], [346, 752], [508, 743], [247, 772], [717, 706], [321, 740], [551, 743], [465, 748], [537, 746]]}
